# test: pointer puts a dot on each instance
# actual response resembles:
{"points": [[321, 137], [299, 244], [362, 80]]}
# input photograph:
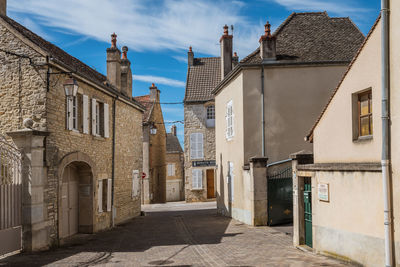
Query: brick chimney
{"points": [[226, 52], [190, 57], [114, 63], [3, 7], [235, 60], [154, 93], [126, 73], [268, 44], [173, 130]]}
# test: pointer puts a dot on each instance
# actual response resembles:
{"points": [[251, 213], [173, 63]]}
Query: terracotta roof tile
{"points": [[145, 101]]}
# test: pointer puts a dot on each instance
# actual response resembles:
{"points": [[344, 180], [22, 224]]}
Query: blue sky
{"points": [[159, 32]]}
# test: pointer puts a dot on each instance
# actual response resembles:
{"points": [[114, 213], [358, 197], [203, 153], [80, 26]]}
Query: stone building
{"points": [[81, 148], [347, 193], [199, 111], [174, 162], [266, 104], [154, 148]]}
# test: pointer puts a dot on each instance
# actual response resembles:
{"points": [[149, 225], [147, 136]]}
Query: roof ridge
{"points": [[311, 132]]}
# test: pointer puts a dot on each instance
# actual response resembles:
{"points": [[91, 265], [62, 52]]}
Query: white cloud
{"points": [[147, 25], [336, 7], [159, 80]]}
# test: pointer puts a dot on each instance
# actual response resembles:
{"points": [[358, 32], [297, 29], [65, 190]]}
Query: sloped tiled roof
{"points": [[314, 37], [147, 103], [60, 56], [173, 145], [309, 136], [202, 78]]}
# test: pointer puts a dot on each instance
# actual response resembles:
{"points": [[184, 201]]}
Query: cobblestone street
{"points": [[178, 234]]}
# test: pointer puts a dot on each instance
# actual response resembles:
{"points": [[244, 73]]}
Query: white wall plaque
{"points": [[323, 192]]}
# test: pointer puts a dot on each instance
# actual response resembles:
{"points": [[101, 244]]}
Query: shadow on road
{"points": [[158, 228]]}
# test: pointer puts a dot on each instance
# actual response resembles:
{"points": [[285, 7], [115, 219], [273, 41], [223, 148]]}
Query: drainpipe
{"points": [[386, 135], [113, 165], [262, 112]]}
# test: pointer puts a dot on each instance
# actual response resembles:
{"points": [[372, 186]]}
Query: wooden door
{"points": [[69, 202], [210, 184]]}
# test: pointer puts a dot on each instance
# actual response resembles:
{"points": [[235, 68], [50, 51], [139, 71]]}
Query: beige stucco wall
{"points": [[231, 151], [294, 97], [335, 126]]}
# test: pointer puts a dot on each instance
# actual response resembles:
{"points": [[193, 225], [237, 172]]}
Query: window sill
{"points": [[197, 189], [75, 132], [363, 139], [99, 138]]}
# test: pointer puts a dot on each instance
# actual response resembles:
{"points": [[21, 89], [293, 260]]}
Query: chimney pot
{"points": [[173, 130], [154, 93], [114, 40], [235, 60], [125, 52], [190, 56]]}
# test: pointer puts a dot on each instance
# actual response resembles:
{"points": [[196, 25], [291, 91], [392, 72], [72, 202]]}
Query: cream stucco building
{"points": [[266, 104], [344, 181]]}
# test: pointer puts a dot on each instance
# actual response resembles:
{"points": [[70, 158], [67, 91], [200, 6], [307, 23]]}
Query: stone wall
{"points": [[176, 181], [195, 122], [23, 94], [158, 148]]}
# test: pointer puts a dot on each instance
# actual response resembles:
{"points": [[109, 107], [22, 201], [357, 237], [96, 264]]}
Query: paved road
{"points": [[179, 234]]}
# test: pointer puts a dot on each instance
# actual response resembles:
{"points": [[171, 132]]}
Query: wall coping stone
{"points": [[349, 167]]}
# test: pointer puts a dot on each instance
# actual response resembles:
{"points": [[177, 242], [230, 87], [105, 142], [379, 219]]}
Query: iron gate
{"points": [[10, 198], [280, 196]]}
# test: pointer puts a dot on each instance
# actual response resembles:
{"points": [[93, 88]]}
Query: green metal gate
{"points": [[307, 212], [280, 197]]}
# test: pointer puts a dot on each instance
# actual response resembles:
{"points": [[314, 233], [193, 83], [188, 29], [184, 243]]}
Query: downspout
{"points": [[113, 165], [386, 135], [262, 112]]}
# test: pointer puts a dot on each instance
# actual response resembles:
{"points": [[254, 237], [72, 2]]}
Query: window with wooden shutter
{"points": [[171, 169], [69, 113], [106, 121], [94, 120], [100, 196], [229, 120], [197, 179], [196, 146], [85, 114]]}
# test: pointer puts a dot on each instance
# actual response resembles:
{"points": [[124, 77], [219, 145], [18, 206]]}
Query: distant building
{"points": [[202, 77], [154, 148], [174, 168], [266, 104], [80, 135]]}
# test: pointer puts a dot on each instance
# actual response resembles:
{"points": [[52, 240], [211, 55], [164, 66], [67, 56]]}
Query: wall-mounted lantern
{"points": [[71, 87]]}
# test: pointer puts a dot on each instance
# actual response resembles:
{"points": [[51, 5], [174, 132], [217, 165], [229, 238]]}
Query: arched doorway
{"points": [[76, 195]]}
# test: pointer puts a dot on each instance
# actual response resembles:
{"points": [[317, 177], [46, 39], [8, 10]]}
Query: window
{"points": [[75, 113], [230, 181], [210, 121], [104, 195], [100, 119], [365, 113], [229, 120], [197, 179], [171, 169], [196, 146]]}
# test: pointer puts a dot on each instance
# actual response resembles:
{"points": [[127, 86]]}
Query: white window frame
{"points": [[74, 113], [135, 183], [171, 169], [197, 179], [196, 146], [210, 112], [97, 119], [230, 133]]}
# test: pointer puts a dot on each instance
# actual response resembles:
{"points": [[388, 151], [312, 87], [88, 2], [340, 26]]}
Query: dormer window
{"points": [[210, 120]]}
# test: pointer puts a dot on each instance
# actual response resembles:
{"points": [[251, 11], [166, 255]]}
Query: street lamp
{"points": [[70, 87]]}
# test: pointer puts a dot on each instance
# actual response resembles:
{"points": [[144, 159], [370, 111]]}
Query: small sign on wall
{"points": [[323, 192]]}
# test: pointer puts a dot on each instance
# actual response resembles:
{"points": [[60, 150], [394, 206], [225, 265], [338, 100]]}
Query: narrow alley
{"points": [[178, 234]]}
